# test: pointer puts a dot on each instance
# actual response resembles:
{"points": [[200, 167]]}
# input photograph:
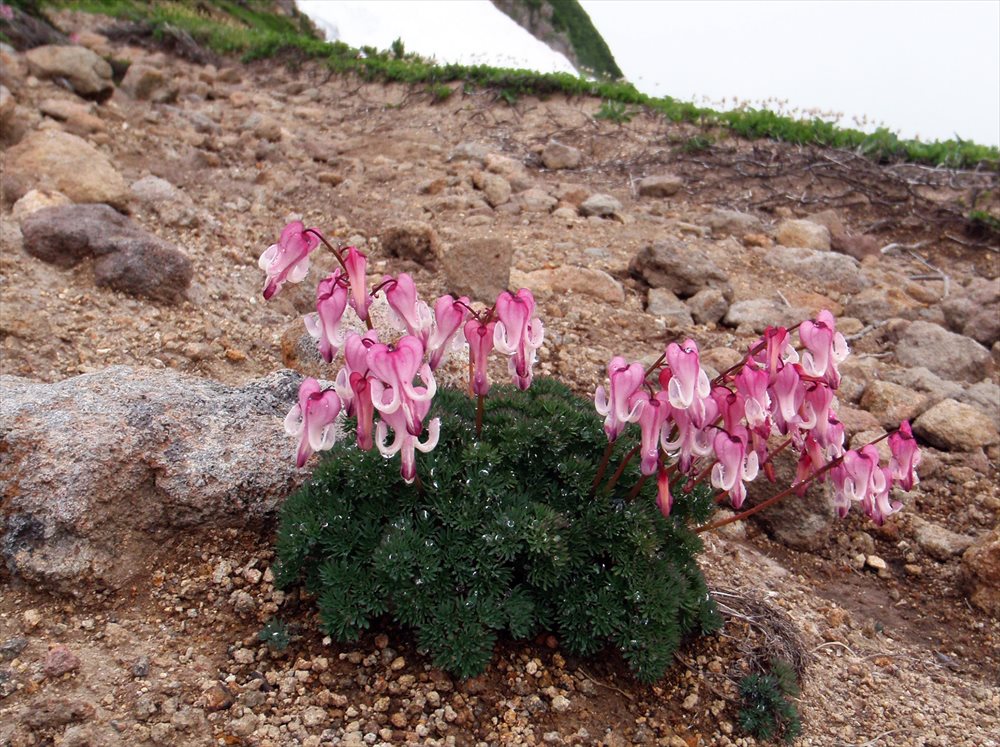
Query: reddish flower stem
{"points": [[479, 415], [602, 467], [621, 468], [340, 260], [637, 487]]}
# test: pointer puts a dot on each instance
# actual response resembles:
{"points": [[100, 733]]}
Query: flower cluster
{"points": [[380, 376], [692, 428]]}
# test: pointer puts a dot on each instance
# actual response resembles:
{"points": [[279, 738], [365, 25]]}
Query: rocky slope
{"points": [[135, 580]]}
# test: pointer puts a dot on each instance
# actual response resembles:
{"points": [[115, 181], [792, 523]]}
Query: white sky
{"points": [[926, 68], [922, 68], [470, 32]]}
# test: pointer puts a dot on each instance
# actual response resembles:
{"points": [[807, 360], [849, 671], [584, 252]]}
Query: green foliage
{"points": [[398, 49], [984, 221], [614, 111], [696, 144], [275, 634], [502, 537], [246, 28], [768, 712], [591, 49]]}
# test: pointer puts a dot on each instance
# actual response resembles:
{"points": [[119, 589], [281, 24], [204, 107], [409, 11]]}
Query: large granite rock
{"points": [[98, 471], [944, 353], [836, 272], [680, 267], [956, 426], [982, 568], [85, 72]]}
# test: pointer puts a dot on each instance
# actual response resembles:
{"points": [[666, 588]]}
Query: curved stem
{"points": [[331, 247], [637, 487], [602, 467], [621, 468]]}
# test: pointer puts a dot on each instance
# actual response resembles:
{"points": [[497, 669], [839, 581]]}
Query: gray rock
{"points": [[413, 240], [708, 306], [666, 305], [536, 200], [99, 469], [975, 310], [833, 271], [86, 73], [801, 523], [169, 203], [875, 304], [732, 223], [601, 205], [661, 185], [478, 268], [680, 267], [558, 155], [469, 152], [760, 313], [148, 83], [955, 426], [932, 387], [128, 258], [945, 353], [984, 396], [940, 543], [57, 161], [804, 233]]}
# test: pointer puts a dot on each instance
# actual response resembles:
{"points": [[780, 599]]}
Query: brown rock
{"points": [[583, 280], [59, 661], [955, 426], [804, 233], [51, 713], [87, 74], [478, 268], [557, 155], [148, 83], [891, 403], [661, 185], [414, 240], [981, 563]]}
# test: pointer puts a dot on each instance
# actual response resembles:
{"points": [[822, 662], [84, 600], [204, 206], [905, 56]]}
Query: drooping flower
{"points": [[736, 466], [405, 442], [751, 383], [654, 409], [905, 456], [689, 380], [448, 317], [324, 324], [312, 419], [787, 396], [401, 294], [825, 348], [288, 260], [690, 440], [356, 263], [480, 336], [877, 505], [664, 499], [625, 380], [353, 384], [777, 351], [518, 335], [395, 367]]}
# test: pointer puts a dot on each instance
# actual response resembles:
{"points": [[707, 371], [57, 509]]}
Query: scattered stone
{"points": [[955, 426], [732, 223], [10, 648], [662, 185], [981, 563], [833, 271], [140, 667], [924, 380], [557, 155], [601, 205], [801, 523], [414, 240], [478, 268], [803, 233], [51, 713], [128, 258], [217, 698], [760, 313], [59, 661], [561, 704], [984, 396], [495, 188], [891, 403], [94, 466], [536, 200], [944, 353], [51, 160], [170, 204], [470, 152], [35, 200], [875, 305], [263, 126], [148, 83], [877, 564], [666, 305], [680, 267], [857, 421], [708, 306], [940, 543], [690, 703], [568, 278], [86, 73]]}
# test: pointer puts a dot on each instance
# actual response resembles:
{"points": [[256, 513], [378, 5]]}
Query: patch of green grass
{"points": [[615, 111], [248, 30]]}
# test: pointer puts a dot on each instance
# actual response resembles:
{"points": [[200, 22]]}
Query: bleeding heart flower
{"points": [[787, 394], [356, 263], [751, 382], [653, 412], [401, 294], [448, 317], [625, 381], [312, 419], [353, 384], [905, 456], [825, 348], [480, 338], [395, 367], [736, 466], [324, 324], [664, 499], [689, 380], [288, 260], [777, 351], [405, 441], [518, 335]]}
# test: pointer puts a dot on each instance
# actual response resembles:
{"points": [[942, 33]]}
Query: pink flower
{"points": [[856, 474], [396, 366], [480, 338], [625, 381], [730, 405], [653, 412], [401, 293], [787, 396], [313, 419], [736, 464], [356, 263], [324, 324], [777, 351], [690, 440], [689, 380], [6, 12], [751, 383], [448, 317], [288, 260], [877, 505], [353, 384], [518, 335], [905, 456], [405, 441], [664, 499], [825, 348]]}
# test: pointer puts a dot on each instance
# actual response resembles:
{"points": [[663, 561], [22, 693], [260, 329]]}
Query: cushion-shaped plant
{"points": [[502, 533]]}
